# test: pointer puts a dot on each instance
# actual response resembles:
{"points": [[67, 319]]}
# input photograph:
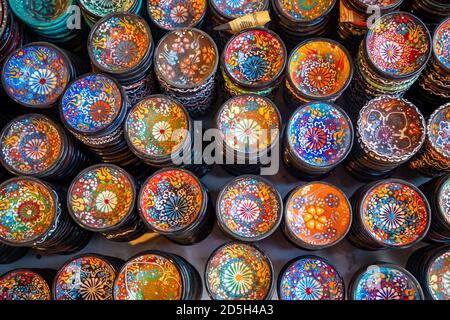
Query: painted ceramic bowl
{"points": [[235, 9], [86, 277], [384, 281], [249, 124], [101, 8], [29, 209], [441, 44], [249, 208], [438, 276], [36, 75], [170, 15], [310, 278], [394, 213], [319, 69], [101, 197], [41, 14], [438, 131], [254, 58], [319, 135], [443, 200], [304, 10], [239, 271], [23, 284], [398, 45], [317, 215], [186, 58], [390, 130]]}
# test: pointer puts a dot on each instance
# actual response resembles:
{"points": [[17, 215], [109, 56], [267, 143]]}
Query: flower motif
{"points": [[247, 131], [100, 111], [321, 77], [315, 219], [313, 137], [248, 210], [162, 131], [238, 278], [106, 201], [390, 51], [42, 81], [387, 293], [29, 212], [35, 149], [254, 68], [126, 52], [179, 14], [176, 208], [92, 288], [309, 288], [392, 216], [235, 4]]}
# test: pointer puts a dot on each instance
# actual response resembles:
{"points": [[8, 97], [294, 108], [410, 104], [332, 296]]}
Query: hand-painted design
{"points": [[157, 126], [439, 130], [41, 12], [398, 44], [320, 134], [237, 8], [311, 278], [386, 282], [24, 284], [444, 199], [254, 57], [305, 10], [249, 123], [31, 144], [91, 103], [390, 128], [101, 8], [149, 277], [395, 213], [171, 15], [238, 271], [27, 209], [119, 42], [101, 197], [36, 75], [318, 214], [249, 207], [441, 43], [320, 68], [438, 277], [186, 58], [171, 200], [85, 278]]}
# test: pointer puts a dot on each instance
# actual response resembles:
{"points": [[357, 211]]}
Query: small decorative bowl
{"points": [[24, 284]]}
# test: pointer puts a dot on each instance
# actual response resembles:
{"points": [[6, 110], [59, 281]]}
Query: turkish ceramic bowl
{"points": [[239, 271], [86, 277], [157, 275], [431, 266], [35, 145], [434, 157], [310, 278], [249, 208], [102, 199], [384, 281], [33, 215], [26, 284], [10, 254], [174, 203], [250, 128], [94, 10], [318, 137], [317, 215], [186, 62], [253, 61], [389, 213], [390, 131]]}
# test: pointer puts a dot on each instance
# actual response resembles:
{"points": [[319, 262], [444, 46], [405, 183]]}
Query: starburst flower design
{"points": [[248, 131], [106, 201], [42, 81], [309, 288], [238, 278], [35, 149], [392, 216], [390, 52], [162, 131], [248, 210]]}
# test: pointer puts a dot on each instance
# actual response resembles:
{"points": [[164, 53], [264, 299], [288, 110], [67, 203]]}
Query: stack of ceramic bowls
{"points": [[235, 263], [160, 132], [355, 15], [384, 281], [431, 266], [389, 214], [10, 254], [93, 108], [296, 20], [250, 128], [170, 15], [310, 278], [174, 203], [389, 132], [318, 69], [185, 65], [34, 215], [26, 284], [157, 275], [390, 59], [94, 10], [11, 34], [318, 137], [86, 277], [223, 11], [253, 61], [102, 199], [36, 74], [249, 208], [434, 157], [35, 145], [437, 192], [121, 45], [431, 90], [316, 216], [430, 11]]}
